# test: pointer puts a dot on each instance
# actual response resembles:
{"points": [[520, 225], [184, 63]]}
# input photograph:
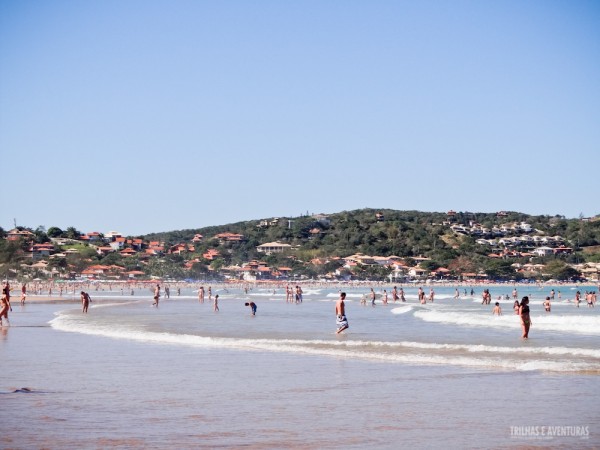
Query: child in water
{"points": [[497, 311]]}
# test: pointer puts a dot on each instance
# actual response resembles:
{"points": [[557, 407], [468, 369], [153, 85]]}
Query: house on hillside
{"points": [[39, 251], [273, 247], [229, 237], [542, 251], [127, 252], [322, 219], [16, 234]]}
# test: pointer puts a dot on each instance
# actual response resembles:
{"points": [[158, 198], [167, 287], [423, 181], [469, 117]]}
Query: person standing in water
{"points": [[525, 318], [5, 303], [156, 295], [252, 306], [547, 305], [340, 314], [497, 311], [216, 303], [395, 294], [201, 294], [85, 301], [23, 293]]}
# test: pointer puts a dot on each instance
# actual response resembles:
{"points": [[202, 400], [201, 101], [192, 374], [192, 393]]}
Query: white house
{"points": [[273, 247]]}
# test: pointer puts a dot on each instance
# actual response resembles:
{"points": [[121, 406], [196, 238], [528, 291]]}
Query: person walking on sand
{"points": [[525, 318], [156, 295], [216, 303], [340, 314], [85, 301]]}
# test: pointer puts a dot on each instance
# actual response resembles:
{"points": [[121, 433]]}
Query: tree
{"points": [[499, 269], [54, 232], [558, 270], [72, 233]]}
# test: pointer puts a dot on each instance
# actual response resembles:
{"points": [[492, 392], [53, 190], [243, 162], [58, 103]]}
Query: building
{"points": [[273, 247]]}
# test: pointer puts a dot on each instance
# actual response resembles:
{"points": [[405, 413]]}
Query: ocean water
{"points": [[445, 374]]}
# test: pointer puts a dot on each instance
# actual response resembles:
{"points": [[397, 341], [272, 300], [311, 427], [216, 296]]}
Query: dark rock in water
{"points": [[23, 390]]}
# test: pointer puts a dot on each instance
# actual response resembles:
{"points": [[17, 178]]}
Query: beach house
{"points": [[273, 247]]}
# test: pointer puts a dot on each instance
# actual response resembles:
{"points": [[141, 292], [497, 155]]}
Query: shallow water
{"points": [[443, 374]]}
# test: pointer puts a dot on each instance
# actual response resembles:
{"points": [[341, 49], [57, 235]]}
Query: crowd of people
{"points": [[293, 295]]}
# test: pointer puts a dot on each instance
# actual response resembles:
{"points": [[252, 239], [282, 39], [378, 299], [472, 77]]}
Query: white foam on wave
{"points": [[417, 353], [401, 309], [578, 324]]}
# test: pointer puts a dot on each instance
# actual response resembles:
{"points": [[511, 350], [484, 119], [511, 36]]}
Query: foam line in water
{"points": [[479, 356], [572, 323]]}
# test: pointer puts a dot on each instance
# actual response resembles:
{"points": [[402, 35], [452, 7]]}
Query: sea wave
{"points": [[578, 324], [401, 309], [564, 359]]}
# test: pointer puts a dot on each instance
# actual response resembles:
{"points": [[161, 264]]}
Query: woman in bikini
{"points": [[525, 319]]}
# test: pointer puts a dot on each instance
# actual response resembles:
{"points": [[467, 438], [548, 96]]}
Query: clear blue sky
{"points": [[147, 116]]}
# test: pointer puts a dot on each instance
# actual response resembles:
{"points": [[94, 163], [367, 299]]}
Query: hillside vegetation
{"points": [[320, 245]]}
